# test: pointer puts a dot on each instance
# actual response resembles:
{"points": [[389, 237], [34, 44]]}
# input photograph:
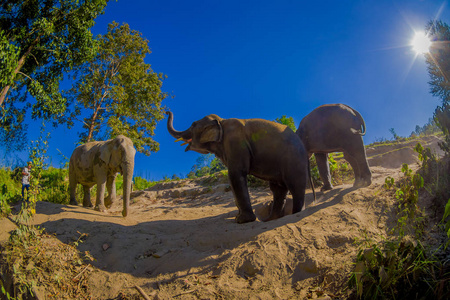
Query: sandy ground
{"points": [[180, 240]]}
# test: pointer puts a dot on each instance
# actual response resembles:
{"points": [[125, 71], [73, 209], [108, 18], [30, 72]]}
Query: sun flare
{"points": [[421, 42]]}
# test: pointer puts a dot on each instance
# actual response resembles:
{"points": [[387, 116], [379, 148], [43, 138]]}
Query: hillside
{"points": [[180, 240]]}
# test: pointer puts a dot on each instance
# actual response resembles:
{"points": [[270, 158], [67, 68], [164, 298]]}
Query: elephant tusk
{"points": [[177, 140], [186, 142]]}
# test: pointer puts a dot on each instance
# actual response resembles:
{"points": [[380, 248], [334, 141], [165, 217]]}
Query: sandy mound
{"points": [[180, 240]]}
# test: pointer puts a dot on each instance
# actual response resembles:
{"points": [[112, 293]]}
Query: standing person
{"points": [[26, 180]]}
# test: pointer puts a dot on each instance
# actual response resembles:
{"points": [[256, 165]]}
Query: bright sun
{"points": [[421, 43]]}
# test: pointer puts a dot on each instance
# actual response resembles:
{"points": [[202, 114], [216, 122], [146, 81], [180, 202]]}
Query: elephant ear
{"points": [[105, 152], [212, 133], [111, 152], [117, 152]]}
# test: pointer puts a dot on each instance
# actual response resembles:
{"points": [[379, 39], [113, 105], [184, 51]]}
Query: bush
{"points": [[142, 184], [401, 267]]}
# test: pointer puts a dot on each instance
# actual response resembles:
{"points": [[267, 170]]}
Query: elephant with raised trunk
{"points": [[265, 149], [97, 163], [336, 128]]}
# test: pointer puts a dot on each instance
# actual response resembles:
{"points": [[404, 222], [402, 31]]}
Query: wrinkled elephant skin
{"points": [[97, 163], [336, 128], [265, 149]]}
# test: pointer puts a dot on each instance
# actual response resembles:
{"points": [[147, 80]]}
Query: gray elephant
{"points": [[265, 149], [97, 163], [336, 128]]}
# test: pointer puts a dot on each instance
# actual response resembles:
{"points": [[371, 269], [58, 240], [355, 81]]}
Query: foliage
{"points": [[288, 121], [26, 256], [409, 215], [438, 60], [401, 266], [394, 269], [40, 41], [57, 267], [429, 128], [37, 156], [9, 192], [142, 184], [206, 164], [119, 91], [394, 134], [446, 222]]}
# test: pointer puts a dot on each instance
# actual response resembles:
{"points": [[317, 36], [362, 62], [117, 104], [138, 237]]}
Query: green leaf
{"points": [[447, 210]]}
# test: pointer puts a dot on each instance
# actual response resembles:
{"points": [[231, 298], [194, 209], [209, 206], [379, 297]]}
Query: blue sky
{"points": [[265, 59]]}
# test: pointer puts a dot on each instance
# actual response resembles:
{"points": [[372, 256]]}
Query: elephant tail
{"points": [[311, 181], [362, 130]]}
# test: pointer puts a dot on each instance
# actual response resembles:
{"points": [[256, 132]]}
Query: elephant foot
{"points": [[73, 202], [87, 204], [326, 187], [273, 217], [100, 208], [362, 183], [124, 213], [245, 217], [108, 203]]}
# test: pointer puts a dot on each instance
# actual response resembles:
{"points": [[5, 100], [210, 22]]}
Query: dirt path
{"points": [[181, 241]]}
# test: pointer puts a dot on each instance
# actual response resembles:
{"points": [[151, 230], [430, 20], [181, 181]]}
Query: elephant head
{"points": [[202, 134], [118, 155]]}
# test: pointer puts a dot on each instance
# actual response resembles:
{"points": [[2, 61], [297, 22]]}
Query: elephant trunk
{"points": [[185, 135], [127, 172]]}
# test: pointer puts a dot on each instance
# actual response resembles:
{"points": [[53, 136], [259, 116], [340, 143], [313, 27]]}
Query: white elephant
{"points": [[98, 163]]}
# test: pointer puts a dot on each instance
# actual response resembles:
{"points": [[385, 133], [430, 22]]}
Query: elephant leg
{"points": [[73, 190], [279, 197], [297, 190], [324, 170], [100, 202], [238, 183], [87, 196], [352, 161], [358, 161], [111, 187]]}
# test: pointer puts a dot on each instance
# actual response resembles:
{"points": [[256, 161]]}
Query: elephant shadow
{"points": [[155, 247]]}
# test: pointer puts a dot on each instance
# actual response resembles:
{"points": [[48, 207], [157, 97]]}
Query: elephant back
{"points": [[84, 155]]}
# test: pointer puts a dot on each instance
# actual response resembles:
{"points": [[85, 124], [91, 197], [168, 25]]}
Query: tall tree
{"points": [[39, 41], [117, 92], [438, 60]]}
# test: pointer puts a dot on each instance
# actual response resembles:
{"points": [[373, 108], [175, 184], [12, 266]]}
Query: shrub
{"points": [[401, 267]]}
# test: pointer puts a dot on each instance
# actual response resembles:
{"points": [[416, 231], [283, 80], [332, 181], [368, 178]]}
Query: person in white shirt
{"points": [[26, 180]]}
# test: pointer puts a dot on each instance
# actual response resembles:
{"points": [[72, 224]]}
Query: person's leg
{"points": [[28, 191]]}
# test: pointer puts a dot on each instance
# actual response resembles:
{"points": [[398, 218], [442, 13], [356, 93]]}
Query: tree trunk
{"points": [[92, 124]]}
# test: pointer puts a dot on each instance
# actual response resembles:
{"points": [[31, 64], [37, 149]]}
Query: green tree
{"points": [[39, 42], [394, 134], [288, 121], [438, 60], [118, 91], [206, 164]]}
